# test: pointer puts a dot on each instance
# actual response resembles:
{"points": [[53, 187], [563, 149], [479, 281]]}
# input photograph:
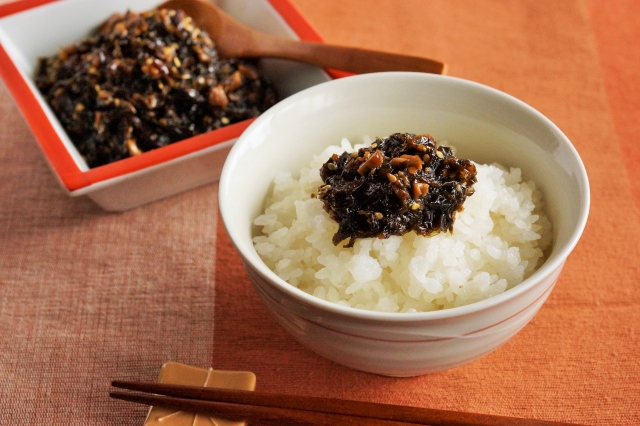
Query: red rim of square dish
{"points": [[71, 176]]}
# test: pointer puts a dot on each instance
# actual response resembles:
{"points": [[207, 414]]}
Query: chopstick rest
{"points": [[181, 374]]}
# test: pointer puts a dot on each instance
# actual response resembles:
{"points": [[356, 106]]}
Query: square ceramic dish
{"points": [[30, 29]]}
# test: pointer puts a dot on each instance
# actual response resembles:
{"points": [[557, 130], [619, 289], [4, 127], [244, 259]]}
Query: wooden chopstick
{"points": [[249, 405], [245, 412]]}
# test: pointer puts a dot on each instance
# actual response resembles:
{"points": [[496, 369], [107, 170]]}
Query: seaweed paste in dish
{"points": [[401, 183], [144, 81]]}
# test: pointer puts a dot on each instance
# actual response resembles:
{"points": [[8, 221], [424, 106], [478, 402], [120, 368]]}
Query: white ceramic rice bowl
{"points": [[485, 125]]}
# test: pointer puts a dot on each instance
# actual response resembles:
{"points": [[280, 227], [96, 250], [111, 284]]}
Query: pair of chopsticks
{"points": [[279, 409]]}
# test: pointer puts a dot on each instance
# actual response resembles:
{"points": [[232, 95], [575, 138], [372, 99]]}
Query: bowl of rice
{"points": [[409, 304]]}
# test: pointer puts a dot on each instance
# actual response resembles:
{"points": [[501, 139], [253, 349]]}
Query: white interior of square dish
{"points": [[42, 31]]}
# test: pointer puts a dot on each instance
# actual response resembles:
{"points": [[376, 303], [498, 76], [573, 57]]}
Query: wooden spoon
{"points": [[234, 39]]}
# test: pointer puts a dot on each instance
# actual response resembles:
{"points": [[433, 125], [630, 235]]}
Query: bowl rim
{"points": [[72, 177], [545, 270]]}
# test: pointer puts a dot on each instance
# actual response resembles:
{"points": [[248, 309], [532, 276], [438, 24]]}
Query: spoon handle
{"points": [[351, 59]]}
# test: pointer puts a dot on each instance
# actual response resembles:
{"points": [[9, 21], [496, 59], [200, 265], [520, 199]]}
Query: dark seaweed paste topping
{"points": [[399, 184], [144, 81]]}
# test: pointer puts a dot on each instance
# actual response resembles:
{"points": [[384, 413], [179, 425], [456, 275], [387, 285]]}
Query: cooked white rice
{"points": [[497, 242]]}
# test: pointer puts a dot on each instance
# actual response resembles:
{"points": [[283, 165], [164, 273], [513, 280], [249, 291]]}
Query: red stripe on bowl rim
{"points": [[58, 156]]}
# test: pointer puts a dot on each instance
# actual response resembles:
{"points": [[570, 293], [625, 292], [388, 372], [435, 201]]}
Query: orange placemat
{"points": [[577, 360]]}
